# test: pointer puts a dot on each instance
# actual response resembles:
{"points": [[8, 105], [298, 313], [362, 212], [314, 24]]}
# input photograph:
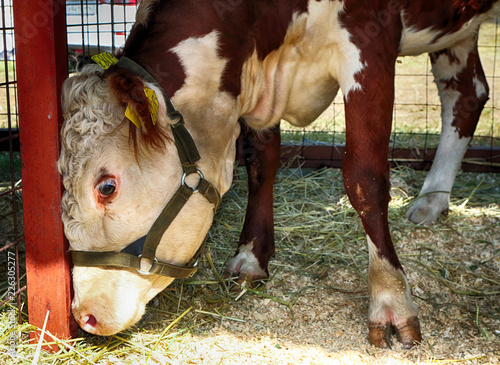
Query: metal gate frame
{"points": [[41, 58]]}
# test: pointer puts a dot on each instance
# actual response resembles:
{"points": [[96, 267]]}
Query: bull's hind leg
{"points": [[463, 91], [256, 245], [368, 109]]}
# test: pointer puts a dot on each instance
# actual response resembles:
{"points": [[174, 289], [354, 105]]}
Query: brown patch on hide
{"points": [[469, 106], [249, 26], [366, 171], [243, 26], [445, 19], [128, 90], [467, 83]]}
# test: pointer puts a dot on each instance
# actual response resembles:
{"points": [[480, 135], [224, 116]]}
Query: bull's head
{"points": [[118, 179]]}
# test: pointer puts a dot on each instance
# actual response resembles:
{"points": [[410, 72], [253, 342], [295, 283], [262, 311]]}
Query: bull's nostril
{"points": [[88, 322], [91, 321]]}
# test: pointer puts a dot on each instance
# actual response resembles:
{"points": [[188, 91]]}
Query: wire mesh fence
{"points": [[96, 26]]}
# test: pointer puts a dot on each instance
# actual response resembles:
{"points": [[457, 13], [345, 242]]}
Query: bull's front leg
{"points": [[463, 90], [366, 180], [256, 244], [368, 108]]}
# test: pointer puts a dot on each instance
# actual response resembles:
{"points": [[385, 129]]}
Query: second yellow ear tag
{"points": [[153, 103]]}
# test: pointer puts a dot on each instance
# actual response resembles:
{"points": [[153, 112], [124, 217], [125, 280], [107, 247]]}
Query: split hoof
{"points": [[407, 333], [427, 209], [244, 267]]}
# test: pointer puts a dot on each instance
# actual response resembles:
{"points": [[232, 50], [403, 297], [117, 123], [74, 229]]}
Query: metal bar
{"points": [[16, 294], [10, 191], [7, 134], [11, 82], [482, 154], [475, 160], [41, 56], [11, 244]]}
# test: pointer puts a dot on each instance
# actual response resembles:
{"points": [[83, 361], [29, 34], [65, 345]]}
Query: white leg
{"points": [[463, 91]]}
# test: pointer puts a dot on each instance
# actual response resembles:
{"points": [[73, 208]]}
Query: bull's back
{"points": [[328, 54]]}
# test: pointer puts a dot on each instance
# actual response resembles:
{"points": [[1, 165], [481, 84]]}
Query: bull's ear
{"points": [[130, 92], [142, 107], [136, 111]]}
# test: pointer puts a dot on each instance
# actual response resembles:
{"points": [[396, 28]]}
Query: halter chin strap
{"points": [[142, 252]]}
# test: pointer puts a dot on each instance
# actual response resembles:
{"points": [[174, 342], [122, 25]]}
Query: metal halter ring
{"points": [[195, 265], [183, 180], [146, 272]]}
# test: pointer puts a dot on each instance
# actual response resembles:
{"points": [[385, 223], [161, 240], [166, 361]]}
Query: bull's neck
{"points": [[214, 128], [211, 115]]}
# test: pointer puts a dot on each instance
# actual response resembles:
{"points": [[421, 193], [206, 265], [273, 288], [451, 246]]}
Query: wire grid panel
{"points": [[96, 26], [12, 268], [417, 108]]}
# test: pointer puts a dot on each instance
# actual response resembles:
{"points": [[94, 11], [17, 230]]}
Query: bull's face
{"points": [[114, 193]]}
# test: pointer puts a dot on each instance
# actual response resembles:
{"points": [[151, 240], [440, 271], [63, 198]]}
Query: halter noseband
{"points": [[145, 247]]}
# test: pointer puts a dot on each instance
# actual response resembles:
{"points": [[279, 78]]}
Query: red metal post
{"points": [[41, 57]]}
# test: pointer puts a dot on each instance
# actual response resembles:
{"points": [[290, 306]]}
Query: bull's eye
{"points": [[106, 187]]}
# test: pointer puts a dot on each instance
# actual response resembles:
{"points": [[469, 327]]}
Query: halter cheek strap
{"points": [[132, 256]]}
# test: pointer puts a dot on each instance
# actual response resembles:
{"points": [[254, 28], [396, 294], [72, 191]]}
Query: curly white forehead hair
{"points": [[89, 113]]}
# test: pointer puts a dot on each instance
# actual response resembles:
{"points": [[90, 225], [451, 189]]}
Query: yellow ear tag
{"points": [[153, 108], [132, 117], [153, 103], [105, 60]]}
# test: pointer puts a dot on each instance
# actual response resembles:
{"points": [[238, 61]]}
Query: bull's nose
{"points": [[88, 322]]}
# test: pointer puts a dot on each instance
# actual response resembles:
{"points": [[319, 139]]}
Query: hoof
{"points": [[407, 333], [243, 280], [380, 335], [427, 209], [244, 267]]}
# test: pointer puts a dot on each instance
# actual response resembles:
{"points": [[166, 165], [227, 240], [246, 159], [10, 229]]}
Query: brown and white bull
{"points": [[258, 61]]}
